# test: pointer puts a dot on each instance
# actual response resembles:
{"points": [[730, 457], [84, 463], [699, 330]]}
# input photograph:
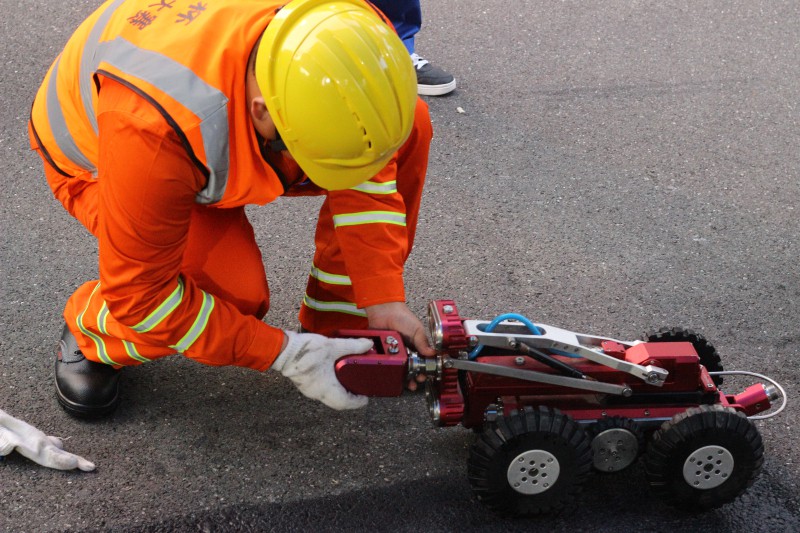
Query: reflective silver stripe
{"points": [[162, 311], [132, 353], [369, 217], [370, 187], [98, 342], [89, 62], [327, 277], [198, 326], [58, 125], [335, 307], [186, 87]]}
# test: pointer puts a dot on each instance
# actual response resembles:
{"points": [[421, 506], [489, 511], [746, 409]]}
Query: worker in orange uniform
{"points": [[161, 120]]}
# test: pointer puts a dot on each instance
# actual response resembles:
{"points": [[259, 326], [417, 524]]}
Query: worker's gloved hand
{"points": [[36, 446], [308, 361]]}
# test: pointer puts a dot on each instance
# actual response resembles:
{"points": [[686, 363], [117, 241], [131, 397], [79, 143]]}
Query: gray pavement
{"points": [[619, 166]]}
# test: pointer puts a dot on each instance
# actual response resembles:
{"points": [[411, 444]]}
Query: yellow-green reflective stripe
{"points": [[199, 325], [162, 311], [334, 307], [102, 326], [101, 319], [327, 277], [130, 348], [98, 342], [370, 187], [369, 217]]}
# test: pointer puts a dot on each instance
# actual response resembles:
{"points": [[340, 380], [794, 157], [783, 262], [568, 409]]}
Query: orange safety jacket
{"points": [[188, 59]]}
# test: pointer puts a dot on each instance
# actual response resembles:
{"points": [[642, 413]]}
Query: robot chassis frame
{"points": [[549, 404]]}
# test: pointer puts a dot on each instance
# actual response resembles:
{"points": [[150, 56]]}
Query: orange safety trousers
{"points": [[412, 163], [222, 258]]}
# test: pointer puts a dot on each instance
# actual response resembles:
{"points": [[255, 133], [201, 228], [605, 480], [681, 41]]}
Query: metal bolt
{"points": [[512, 343], [646, 412], [473, 341], [393, 344], [448, 309], [448, 364], [709, 385], [519, 361]]}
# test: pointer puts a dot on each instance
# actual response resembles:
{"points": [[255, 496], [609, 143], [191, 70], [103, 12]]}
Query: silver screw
{"points": [[519, 361], [393, 344], [448, 309]]}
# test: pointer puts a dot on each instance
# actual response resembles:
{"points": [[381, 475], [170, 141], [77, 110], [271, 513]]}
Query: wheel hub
{"points": [[533, 472], [614, 449], [708, 467]]}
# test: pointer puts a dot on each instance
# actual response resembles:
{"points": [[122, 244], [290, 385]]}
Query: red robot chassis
{"points": [[549, 404]]}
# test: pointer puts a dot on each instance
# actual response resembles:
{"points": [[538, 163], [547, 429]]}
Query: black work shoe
{"points": [[84, 388], [431, 80]]}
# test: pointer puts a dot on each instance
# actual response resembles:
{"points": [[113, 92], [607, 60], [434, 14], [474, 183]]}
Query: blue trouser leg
{"points": [[406, 16]]}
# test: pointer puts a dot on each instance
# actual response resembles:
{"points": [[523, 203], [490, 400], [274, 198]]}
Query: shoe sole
{"points": [[436, 90], [83, 411]]}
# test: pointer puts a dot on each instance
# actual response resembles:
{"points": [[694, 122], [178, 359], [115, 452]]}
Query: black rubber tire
{"points": [[709, 357], [620, 422], [534, 429], [688, 432]]}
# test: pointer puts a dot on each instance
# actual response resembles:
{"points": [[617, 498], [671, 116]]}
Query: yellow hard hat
{"points": [[339, 86]]}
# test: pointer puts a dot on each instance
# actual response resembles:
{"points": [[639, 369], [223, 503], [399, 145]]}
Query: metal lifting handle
{"points": [[539, 377], [553, 338]]}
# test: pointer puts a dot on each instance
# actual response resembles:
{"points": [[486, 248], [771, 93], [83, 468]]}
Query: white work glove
{"points": [[36, 446], [308, 361]]}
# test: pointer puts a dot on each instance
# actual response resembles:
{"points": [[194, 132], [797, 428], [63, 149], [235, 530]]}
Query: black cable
{"points": [[553, 363]]}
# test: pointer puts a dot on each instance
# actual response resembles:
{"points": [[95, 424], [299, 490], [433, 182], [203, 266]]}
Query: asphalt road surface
{"points": [[618, 166]]}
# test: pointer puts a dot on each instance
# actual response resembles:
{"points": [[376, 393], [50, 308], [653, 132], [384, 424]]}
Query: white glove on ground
{"points": [[308, 360], [36, 446]]}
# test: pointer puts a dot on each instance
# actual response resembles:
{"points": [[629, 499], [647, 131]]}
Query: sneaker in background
{"points": [[431, 80]]}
